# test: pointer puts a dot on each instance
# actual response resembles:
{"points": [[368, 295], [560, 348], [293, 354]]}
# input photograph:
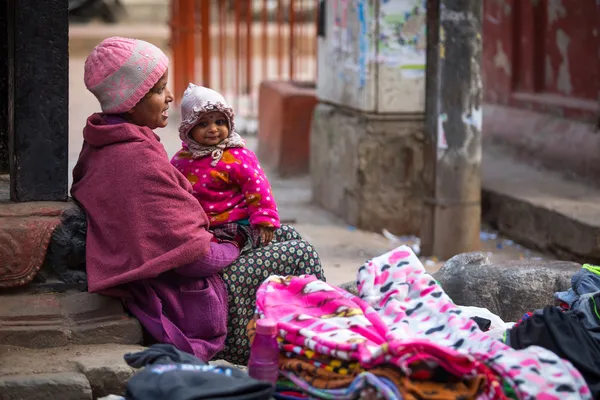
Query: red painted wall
{"points": [[543, 55]]}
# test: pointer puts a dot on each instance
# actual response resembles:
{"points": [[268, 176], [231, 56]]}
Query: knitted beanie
{"points": [[120, 71]]}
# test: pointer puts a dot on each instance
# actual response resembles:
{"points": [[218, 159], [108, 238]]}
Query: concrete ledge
{"points": [[64, 386], [541, 209], [49, 320], [367, 169], [562, 145], [99, 369], [284, 116]]}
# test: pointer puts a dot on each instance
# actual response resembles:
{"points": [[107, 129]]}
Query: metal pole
{"points": [[452, 217], [205, 23]]}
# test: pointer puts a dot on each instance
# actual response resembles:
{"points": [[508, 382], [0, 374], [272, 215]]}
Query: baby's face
{"points": [[211, 130]]}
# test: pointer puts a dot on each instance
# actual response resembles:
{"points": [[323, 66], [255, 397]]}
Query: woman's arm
{"points": [[219, 256]]}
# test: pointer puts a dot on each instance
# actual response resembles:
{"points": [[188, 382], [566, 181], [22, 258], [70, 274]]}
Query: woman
{"points": [[147, 238]]}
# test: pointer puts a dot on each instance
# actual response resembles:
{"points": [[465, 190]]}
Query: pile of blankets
{"points": [[571, 330], [402, 338]]}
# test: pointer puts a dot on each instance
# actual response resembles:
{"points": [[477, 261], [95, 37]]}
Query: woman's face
{"points": [[211, 130], [151, 111]]}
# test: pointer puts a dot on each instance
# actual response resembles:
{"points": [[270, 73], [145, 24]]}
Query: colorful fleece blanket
{"points": [[403, 317]]}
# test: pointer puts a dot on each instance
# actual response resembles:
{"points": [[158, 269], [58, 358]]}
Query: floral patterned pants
{"points": [[286, 255]]}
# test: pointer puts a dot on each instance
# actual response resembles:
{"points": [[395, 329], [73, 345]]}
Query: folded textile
{"points": [[285, 390], [170, 374], [586, 280], [563, 334], [398, 388], [315, 376], [340, 367], [588, 314], [383, 387], [463, 390], [403, 317]]}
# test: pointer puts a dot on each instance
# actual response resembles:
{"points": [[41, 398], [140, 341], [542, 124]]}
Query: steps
{"points": [[540, 208]]}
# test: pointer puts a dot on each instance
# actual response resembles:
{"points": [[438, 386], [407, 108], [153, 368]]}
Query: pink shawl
{"points": [[142, 217], [143, 225]]}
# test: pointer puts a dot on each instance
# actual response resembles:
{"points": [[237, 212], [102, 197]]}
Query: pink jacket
{"points": [[236, 189]]}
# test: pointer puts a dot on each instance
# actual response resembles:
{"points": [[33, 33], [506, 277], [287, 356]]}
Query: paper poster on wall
{"points": [[441, 134], [402, 38], [350, 40]]}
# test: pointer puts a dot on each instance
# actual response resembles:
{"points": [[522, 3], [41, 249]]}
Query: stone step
{"points": [[540, 208], [74, 372], [54, 320], [71, 372]]}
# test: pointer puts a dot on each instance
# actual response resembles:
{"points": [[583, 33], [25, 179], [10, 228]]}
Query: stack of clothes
{"points": [[571, 330], [402, 338]]}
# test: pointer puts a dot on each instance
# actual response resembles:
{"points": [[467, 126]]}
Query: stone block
{"points": [[539, 208], [508, 289], [64, 386], [54, 320], [103, 365], [284, 117], [107, 379], [367, 169]]}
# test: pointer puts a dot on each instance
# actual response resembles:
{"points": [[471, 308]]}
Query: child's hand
{"points": [[266, 234]]}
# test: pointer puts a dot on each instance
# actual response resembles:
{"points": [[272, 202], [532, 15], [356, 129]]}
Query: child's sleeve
{"points": [[256, 189]]}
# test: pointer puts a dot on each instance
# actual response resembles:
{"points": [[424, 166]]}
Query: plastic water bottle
{"points": [[264, 353]]}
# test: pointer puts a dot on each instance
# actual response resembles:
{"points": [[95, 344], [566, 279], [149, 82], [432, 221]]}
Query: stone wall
{"points": [[367, 169]]}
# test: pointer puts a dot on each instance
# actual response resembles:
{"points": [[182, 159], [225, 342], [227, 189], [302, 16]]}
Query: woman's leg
{"points": [[286, 233], [247, 273]]}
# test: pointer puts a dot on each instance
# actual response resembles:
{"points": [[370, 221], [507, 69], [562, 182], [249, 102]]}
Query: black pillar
{"points": [[3, 92], [38, 99], [452, 216]]}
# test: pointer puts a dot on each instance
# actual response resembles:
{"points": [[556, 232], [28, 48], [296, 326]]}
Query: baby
{"points": [[226, 177]]}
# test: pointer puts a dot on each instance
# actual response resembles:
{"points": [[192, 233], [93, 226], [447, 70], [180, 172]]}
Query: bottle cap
{"points": [[266, 327]]}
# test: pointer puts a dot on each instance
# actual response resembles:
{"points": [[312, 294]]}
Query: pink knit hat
{"points": [[120, 71]]}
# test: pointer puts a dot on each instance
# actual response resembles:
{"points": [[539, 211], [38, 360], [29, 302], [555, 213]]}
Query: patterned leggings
{"points": [[286, 255]]}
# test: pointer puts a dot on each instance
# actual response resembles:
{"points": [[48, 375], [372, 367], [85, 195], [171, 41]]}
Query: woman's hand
{"points": [[266, 234]]}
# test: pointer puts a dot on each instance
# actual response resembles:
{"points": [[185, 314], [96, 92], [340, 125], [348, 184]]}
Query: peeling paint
{"points": [[549, 71], [441, 139], [556, 10], [563, 83], [473, 118], [501, 59]]}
